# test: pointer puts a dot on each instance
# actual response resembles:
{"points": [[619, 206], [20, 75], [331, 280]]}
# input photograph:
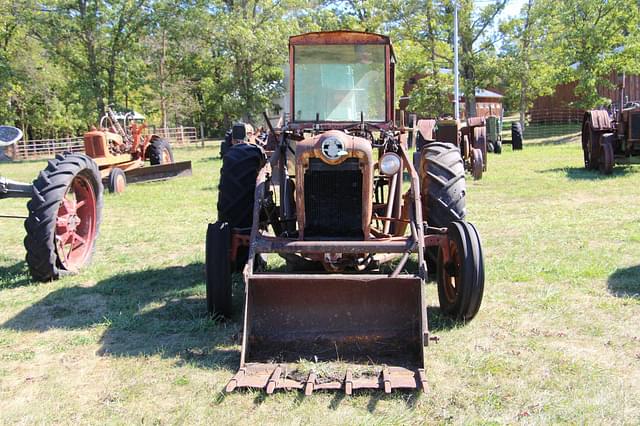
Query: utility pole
{"points": [[456, 82]]}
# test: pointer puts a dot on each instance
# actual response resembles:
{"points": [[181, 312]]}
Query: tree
{"points": [[529, 58], [596, 38], [93, 39]]}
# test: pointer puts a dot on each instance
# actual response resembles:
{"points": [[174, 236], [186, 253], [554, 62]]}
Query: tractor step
{"points": [[271, 377]]}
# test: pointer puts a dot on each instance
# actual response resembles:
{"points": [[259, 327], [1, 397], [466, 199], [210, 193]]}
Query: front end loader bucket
{"points": [[330, 331]]}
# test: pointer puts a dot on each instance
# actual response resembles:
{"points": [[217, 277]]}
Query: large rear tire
{"points": [[64, 217], [461, 280], [240, 168], [160, 152], [516, 135], [443, 185]]}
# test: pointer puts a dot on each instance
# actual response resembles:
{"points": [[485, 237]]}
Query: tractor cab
{"points": [[341, 77]]}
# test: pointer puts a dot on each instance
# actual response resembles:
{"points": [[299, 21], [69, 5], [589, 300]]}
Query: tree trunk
{"points": [[161, 72]]}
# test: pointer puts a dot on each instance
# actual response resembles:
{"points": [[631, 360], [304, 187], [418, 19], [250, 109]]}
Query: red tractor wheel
{"points": [[477, 165], [64, 217]]}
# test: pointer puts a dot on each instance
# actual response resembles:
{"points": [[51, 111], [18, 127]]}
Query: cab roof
{"points": [[341, 37]]}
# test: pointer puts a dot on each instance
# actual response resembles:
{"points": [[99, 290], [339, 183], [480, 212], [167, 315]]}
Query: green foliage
{"points": [[211, 63]]}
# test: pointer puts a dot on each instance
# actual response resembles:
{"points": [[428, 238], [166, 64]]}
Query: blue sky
{"points": [[512, 8]]}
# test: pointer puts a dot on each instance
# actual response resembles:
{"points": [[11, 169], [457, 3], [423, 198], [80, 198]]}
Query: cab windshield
{"points": [[339, 82]]}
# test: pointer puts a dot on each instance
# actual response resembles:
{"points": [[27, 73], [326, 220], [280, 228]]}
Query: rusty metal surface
{"points": [[355, 147], [475, 122], [266, 244], [369, 319], [600, 120], [273, 377], [426, 129], [344, 37]]}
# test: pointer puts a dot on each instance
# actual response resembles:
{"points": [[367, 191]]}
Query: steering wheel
{"points": [[9, 135]]}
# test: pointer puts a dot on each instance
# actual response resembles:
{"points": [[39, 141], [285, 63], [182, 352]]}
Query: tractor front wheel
{"points": [[606, 157], [117, 181], [64, 217], [160, 152], [497, 147], [461, 278], [218, 270], [477, 163]]}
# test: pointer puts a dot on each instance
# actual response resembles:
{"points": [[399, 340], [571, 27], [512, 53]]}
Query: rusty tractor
{"points": [[65, 210], [348, 309], [121, 150], [607, 139], [470, 138]]}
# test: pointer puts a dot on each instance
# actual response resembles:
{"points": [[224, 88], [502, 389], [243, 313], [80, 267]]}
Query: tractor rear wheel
{"points": [[218, 270], [461, 280], [443, 184], [238, 183], [64, 217], [160, 152], [240, 167], [516, 135]]}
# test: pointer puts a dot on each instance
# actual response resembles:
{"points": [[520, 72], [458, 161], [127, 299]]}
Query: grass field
{"points": [[557, 338]]}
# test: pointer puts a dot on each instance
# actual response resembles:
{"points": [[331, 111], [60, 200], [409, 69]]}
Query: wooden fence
{"points": [[47, 148]]}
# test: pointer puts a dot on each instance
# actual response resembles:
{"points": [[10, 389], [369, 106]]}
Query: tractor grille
{"points": [[635, 126], [333, 200]]}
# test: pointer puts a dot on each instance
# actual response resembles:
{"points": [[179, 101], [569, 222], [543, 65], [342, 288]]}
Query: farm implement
{"points": [[121, 150], [65, 209], [348, 310]]}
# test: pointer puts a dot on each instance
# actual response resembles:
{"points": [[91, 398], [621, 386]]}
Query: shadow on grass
{"points": [[580, 173], [151, 312], [551, 139], [16, 275], [625, 282], [439, 321]]}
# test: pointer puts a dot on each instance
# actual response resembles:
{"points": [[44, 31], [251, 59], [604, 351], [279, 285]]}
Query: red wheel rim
{"points": [[120, 184], [76, 224], [166, 158], [451, 281]]}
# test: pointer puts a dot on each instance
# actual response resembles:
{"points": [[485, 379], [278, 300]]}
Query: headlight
{"points": [[390, 164]]}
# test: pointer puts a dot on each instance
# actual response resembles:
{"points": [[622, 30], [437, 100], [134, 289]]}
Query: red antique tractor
{"points": [[330, 201], [121, 150], [65, 209]]}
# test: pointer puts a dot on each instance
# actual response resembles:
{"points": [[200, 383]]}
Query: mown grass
{"points": [[128, 341]]}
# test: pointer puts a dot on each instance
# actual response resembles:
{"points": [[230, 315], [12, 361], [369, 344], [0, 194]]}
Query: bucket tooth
{"points": [[422, 380], [273, 380], [386, 380], [310, 383], [348, 382]]}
